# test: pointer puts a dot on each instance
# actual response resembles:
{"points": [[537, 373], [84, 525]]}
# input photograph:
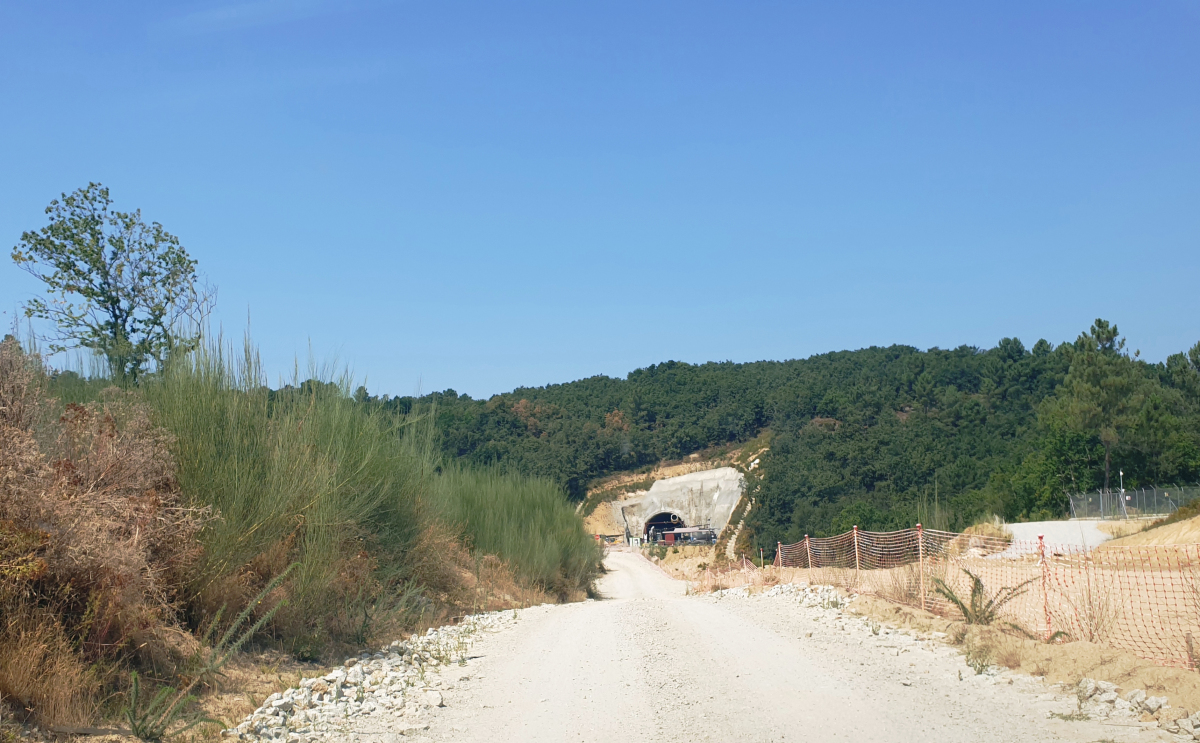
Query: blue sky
{"points": [[484, 195]]}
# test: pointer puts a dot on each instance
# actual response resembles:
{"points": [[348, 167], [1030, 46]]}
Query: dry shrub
{"points": [[455, 582], [40, 675], [992, 529], [92, 533], [438, 562], [1096, 607], [903, 584]]}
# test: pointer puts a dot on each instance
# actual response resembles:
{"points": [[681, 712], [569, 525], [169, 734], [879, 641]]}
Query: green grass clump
{"points": [[295, 475], [980, 608], [350, 494], [526, 521]]}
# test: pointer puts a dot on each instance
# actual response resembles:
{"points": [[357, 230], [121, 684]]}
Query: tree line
{"points": [[878, 437]]}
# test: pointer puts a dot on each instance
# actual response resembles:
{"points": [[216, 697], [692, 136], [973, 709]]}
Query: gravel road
{"points": [[649, 663], [1082, 533]]}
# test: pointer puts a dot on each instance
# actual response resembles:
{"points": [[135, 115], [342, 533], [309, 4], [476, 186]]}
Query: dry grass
{"points": [[250, 678], [1186, 531], [1096, 604], [993, 529], [903, 585], [40, 674], [94, 545], [1121, 529]]}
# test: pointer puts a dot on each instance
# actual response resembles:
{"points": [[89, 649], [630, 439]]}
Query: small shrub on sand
{"points": [[980, 608]]}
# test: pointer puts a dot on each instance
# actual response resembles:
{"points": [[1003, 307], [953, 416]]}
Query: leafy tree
{"points": [[114, 284], [1103, 392]]}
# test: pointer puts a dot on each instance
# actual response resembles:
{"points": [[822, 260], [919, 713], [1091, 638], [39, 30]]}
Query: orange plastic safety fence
{"points": [[1142, 599]]}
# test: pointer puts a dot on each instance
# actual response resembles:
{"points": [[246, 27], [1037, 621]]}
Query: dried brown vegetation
{"points": [[94, 544], [130, 523]]}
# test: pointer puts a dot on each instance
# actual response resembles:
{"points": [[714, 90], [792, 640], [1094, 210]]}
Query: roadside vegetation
{"points": [[168, 507], [135, 519]]}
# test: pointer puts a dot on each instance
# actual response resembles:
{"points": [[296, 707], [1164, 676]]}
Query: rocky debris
{"points": [[829, 606], [401, 682], [1102, 700], [822, 596]]}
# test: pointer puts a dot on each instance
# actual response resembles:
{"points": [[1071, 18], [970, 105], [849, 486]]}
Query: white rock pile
{"points": [[822, 596], [400, 682], [1103, 700]]}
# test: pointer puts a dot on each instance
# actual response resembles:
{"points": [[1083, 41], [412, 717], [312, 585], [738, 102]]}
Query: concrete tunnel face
{"points": [[663, 521]]}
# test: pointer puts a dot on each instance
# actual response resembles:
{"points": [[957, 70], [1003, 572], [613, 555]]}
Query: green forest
{"points": [[878, 437]]}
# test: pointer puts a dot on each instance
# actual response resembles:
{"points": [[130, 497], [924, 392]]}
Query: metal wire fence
{"points": [[1132, 503]]}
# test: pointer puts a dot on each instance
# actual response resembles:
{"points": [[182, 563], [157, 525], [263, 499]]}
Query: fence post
{"points": [[921, 561], [856, 552], [779, 554], [808, 551], [1045, 584]]}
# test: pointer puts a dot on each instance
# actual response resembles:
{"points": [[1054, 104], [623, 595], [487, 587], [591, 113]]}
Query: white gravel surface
{"points": [[648, 663]]}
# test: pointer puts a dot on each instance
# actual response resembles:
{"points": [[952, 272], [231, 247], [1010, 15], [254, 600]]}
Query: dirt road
{"points": [[647, 663]]}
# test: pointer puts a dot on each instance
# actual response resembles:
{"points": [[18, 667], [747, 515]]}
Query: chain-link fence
{"points": [[1132, 503]]}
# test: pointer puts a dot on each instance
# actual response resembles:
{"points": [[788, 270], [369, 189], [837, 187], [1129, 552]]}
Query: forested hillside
{"points": [[878, 437]]}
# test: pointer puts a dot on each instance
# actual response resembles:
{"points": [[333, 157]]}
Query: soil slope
{"points": [[1181, 532]]}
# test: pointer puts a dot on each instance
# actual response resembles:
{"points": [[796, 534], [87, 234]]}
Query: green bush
{"points": [[295, 475], [526, 521], [358, 497]]}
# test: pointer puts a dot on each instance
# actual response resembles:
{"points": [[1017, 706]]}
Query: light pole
{"points": [[1121, 474]]}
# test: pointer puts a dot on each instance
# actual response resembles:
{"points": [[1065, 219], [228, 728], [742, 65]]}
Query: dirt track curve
{"points": [[648, 663]]}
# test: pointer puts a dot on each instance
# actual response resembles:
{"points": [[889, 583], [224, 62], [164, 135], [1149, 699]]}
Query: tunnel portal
{"points": [[703, 500], [664, 521]]}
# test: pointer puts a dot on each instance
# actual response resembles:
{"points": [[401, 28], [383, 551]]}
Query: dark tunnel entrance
{"points": [[660, 522]]}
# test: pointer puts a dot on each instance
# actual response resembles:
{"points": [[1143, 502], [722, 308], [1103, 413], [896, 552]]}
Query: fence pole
{"points": [[921, 561], [808, 551], [856, 553], [1045, 584]]}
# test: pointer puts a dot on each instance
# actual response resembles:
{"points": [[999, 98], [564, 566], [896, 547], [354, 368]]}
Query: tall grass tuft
{"points": [[301, 474], [130, 514], [355, 495], [526, 521]]}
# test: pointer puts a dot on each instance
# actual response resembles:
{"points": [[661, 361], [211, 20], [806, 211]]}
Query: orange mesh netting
{"points": [[1142, 599]]}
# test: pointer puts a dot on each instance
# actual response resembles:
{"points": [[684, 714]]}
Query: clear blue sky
{"points": [[485, 195]]}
